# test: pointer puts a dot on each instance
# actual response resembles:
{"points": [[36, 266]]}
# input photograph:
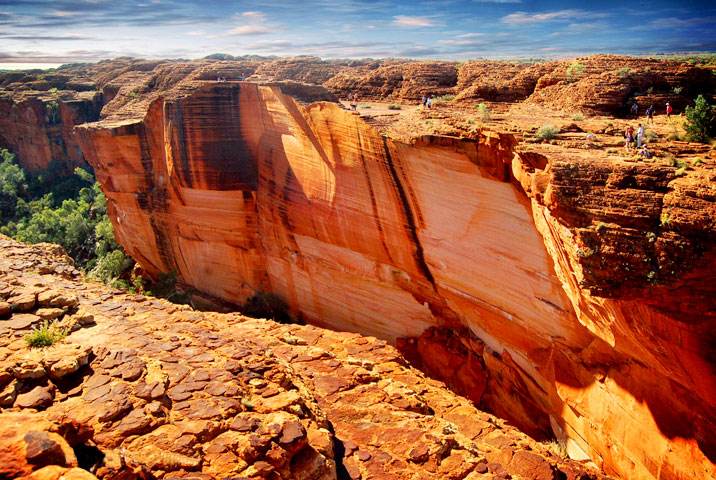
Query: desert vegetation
{"points": [[699, 120], [69, 210]]}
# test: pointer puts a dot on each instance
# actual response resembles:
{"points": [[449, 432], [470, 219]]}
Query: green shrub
{"points": [[69, 210], [677, 90], [111, 266], [574, 71], [13, 186], [52, 111], [547, 132], [393, 106], [651, 136], [484, 112], [577, 117], [697, 161], [675, 135], [443, 99], [699, 120], [47, 334], [624, 72]]}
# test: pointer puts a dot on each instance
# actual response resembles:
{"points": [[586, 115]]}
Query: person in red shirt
{"points": [[628, 138], [669, 109]]}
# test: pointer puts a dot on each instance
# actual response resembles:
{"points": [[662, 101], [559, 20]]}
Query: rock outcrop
{"points": [[142, 388], [39, 110], [582, 283], [39, 127]]}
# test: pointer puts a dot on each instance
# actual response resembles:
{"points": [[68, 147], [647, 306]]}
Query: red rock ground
{"points": [[142, 388]]}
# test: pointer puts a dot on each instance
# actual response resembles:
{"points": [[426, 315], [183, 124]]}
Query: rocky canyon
{"points": [[558, 285]]}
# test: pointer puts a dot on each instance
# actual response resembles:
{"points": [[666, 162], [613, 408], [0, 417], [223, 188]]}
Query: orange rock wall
{"points": [[27, 130], [238, 188]]}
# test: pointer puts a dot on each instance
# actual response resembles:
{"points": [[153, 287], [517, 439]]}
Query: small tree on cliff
{"points": [[699, 120]]}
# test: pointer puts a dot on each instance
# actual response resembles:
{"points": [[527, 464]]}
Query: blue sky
{"points": [[87, 30]]}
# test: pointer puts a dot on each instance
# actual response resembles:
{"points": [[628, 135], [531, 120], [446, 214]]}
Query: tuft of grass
{"points": [[678, 90], [697, 161], [366, 107], [394, 106], [443, 99], [651, 136], [577, 117], [574, 71], [624, 72], [677, 162], [47, 334], [547, 132], [483, 111]]}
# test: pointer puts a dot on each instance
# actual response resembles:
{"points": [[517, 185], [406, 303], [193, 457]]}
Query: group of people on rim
{"points": [[635, 138], [427, 101]]}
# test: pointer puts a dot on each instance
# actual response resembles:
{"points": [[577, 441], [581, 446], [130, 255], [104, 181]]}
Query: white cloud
{"points": [[406, 21], [250, 30], [254, 23], [253, 14], [524, 18], [676, 23]]}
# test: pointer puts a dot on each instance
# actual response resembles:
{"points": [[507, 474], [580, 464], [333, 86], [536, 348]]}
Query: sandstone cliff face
{"points": [[39, 128], [238, 188], [142, 388]]}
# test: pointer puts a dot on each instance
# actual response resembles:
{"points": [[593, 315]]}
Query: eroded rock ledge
{"points": [[583, 281], [142, 388]]}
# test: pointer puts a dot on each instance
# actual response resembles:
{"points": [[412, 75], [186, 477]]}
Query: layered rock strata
{"points": [[39, 127], [142, 388], [581, 282]]}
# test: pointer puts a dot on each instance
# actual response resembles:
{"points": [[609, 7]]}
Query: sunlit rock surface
{"points": [[584, 314], [142, 388]]}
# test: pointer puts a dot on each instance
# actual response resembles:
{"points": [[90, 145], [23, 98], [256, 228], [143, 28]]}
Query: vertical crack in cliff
{"points": [[409, 216], [155, 200]]}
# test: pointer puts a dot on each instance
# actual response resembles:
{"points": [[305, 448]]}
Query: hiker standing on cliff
{"points": [[423, 101], [429, 101], [650, 113], [628, 138], [635, 109], [669, 111], [353, 99], [640, 136]]}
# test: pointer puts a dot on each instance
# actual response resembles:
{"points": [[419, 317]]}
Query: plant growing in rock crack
{"points": [[45, 335], [52, 110], [546, 132], [574, 71], [577, 117], [665, 219], [393, 106], [484, 112], [624, 72]]}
